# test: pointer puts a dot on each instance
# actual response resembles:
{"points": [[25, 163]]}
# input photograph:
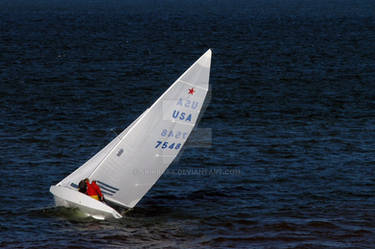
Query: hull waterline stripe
{"points": [[105, 193], [104, 184], [106, 189], [74, 185]]}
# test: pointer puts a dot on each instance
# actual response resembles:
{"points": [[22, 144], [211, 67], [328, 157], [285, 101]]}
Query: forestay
{"points": [[131, 163]]}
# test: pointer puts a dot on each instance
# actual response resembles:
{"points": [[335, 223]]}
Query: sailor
{"points": [[97, 189], [93, 190], [82, 187]]}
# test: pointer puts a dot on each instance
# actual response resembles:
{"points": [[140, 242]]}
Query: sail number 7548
{"points": [[166, 145]]}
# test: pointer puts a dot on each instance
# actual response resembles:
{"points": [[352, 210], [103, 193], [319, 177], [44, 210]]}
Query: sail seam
{"points": [[190, 84]]}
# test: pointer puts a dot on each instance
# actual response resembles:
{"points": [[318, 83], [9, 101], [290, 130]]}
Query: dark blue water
{"points": [[290, 156]]}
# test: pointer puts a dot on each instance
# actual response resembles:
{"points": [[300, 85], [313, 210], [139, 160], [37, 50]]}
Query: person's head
{"points": [[87, 180]]}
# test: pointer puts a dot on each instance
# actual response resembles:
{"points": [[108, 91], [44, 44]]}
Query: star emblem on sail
{"points": [[191, 91]]}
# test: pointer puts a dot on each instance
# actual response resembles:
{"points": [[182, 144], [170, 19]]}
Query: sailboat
{"points": [[127, 167]]}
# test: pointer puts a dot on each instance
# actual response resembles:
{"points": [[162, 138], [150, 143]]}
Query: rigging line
{"points": [[113, 130]]}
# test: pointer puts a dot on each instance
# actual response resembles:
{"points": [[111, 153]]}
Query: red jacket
{"points": [[97, 188], [93, 189]]}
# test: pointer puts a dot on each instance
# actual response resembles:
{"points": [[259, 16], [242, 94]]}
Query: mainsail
{"points": [[131, 163]]}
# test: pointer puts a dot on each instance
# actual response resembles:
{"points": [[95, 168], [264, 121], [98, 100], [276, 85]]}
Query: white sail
{"points": [[72, 180], [131, 164]]}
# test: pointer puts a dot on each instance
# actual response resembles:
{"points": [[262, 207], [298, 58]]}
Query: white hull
{"points": [[74, 199]]}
